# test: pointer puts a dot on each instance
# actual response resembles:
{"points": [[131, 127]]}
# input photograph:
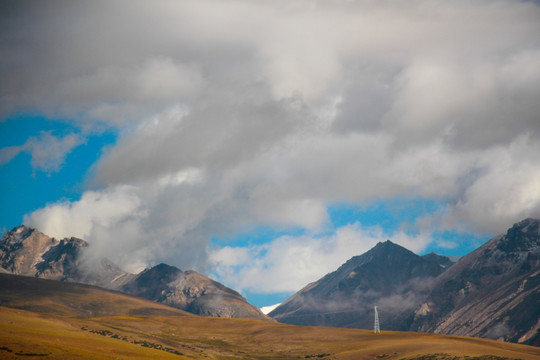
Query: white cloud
{"points": [[508, 192], [120, 94], [47, 151], [287, 264], [8, 153], [95, 208]]}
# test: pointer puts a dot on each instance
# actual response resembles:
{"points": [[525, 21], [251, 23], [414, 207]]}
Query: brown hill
{"points": [[73, 299], [26, 334], [62, 320], [192, 292]]}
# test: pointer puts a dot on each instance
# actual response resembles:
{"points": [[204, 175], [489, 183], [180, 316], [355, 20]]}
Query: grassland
{"points": [[143, 330], [31, 335]]}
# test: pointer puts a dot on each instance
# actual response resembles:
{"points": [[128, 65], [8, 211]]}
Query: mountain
{"points": [[443, 261], [388, 275], [493, 292], [26, 251], [63, 320], [192, 292]]}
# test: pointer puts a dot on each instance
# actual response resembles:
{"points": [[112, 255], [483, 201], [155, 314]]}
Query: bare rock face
{"points": [[192, 292], [493, 292], [26, 251], [22, 248], [388, 275]]}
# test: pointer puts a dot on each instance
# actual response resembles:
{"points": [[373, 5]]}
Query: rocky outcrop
{"points": [[22, 248], [26, 251]]}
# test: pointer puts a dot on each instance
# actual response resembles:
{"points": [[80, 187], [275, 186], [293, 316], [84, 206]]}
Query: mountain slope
{"points": [[192, 292], [26, 251], [444, 261], [62, 320], [388, 275], [73, 299], [493, 292]]}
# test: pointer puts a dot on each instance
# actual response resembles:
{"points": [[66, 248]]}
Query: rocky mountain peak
{"points": [[151, 282], [524, 236], [388, 265], [443, 261], [386, 275], [17, 234], [161, 270], [388, 249], [384, 247], [381, 255], [190, 291], [22, 248]]}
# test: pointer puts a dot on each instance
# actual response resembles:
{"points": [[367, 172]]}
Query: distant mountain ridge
{"points": [[492, 292], [387, 274], [26, 251]]}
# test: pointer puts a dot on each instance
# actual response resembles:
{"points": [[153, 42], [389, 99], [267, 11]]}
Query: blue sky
{"points": [[266, 145], [25, 188]]}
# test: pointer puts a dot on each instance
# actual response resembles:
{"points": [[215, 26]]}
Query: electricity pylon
{"points": [[376, 328]]}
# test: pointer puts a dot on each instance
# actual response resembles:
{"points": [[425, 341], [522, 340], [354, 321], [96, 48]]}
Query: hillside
{"points": [[56, 323], [387, 275], [74, 300], [493, 292], [190, 291]]}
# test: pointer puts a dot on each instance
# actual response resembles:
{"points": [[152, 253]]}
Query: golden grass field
{"points": [[56, 325]]}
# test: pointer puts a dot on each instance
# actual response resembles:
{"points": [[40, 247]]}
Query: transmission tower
{"points": [[376, 328]]}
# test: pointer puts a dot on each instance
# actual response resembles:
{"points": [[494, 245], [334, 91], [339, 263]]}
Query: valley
{"points": [[49, 319], [194, 337]]}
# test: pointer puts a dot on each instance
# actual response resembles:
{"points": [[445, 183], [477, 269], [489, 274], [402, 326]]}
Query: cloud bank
{"points": [[239, 113]]}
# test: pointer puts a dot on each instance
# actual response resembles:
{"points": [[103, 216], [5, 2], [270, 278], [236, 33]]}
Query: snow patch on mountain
{"points": [[268, 309]]}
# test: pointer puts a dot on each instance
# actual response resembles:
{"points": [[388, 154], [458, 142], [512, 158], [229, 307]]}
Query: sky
{"points": [[264, 143]]}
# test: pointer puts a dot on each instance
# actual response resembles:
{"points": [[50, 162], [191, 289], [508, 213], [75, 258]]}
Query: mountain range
{"points": [[492, 292], [52, 319], [26, 251]]}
